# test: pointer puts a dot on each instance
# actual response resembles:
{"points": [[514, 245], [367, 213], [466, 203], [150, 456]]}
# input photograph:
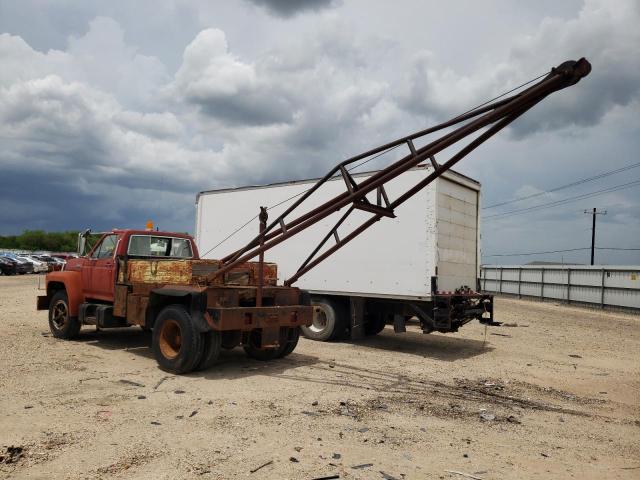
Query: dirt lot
{"points": [[559, 394]]}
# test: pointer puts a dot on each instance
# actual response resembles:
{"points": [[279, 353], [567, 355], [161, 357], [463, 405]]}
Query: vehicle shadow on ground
{"points": [[232, 364], [439, 347], [132, 340]]}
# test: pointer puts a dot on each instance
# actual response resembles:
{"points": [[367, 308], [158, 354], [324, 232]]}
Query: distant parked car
{"points": [[8, 266], [49, 263], [38, 265], [64, 256], [24, 266], [54, 263]]}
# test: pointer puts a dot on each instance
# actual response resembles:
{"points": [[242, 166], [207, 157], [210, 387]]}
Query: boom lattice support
{"points": [[494, 117]]}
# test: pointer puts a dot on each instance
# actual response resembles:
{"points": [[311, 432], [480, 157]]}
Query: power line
{"points": [[568, 185], [556, 203], [558, 251], [503, 94]]}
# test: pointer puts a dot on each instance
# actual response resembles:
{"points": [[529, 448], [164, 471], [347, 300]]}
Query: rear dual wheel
{"points": [[178, 346], [212, 345]]}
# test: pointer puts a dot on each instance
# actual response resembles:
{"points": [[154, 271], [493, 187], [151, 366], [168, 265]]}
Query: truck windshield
{"points": [[151, 246]]}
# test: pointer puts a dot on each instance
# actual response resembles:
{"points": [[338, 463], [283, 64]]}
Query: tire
{"points": [[288, 347], [212, 344], [61, 324], [329, 320], [231, 339], [252, 349], [375, 324], [177, 344]]}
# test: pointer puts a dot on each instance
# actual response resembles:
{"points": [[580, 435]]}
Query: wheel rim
{"points": [[170, 339], [319, 320], [60, 315]]}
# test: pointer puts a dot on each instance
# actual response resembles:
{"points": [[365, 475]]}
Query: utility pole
{"points": [[594, 212]]}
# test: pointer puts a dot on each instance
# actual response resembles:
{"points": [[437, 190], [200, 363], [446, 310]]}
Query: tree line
{"points": [[41, 240]]}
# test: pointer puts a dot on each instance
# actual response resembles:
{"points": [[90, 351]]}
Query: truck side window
{"points": [[106, 247]]}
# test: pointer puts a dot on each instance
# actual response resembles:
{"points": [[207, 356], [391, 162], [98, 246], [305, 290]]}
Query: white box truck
{"points": [[423, 263]]}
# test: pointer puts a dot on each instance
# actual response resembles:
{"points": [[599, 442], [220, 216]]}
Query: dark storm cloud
{"points": [[289, 8], [245, 108], [58, 199], [111, 122]]}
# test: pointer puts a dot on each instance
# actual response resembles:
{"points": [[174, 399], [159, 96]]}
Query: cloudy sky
{"points": [[112, 113]]}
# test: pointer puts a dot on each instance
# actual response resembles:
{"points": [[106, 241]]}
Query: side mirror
{"points": [[82, 241]]}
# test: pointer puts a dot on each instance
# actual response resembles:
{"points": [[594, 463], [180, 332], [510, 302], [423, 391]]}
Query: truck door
{"points": [[86, 266], [101, 269]]}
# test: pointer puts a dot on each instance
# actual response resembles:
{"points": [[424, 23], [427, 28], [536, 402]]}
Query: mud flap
{"points": [[270, 337], [43, 302]]}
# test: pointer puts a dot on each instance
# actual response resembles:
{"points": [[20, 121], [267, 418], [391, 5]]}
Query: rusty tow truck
{"points": [[156, 280], [195, 307]]}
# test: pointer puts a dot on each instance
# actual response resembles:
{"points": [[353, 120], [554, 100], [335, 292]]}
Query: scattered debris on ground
{"points": [[395, 397], [12, 454]]}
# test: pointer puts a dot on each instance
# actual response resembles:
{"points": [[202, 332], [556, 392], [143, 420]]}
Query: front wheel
{"points": [[177, 344], [61, 323]]}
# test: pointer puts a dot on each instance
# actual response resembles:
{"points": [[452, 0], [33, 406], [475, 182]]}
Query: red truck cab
{"points": [[97, 269]]}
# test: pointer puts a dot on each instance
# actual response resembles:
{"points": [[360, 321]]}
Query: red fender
{"points": [[72, 282]]}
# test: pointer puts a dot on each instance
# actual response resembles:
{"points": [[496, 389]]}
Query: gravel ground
{"points": [[555, 395]]}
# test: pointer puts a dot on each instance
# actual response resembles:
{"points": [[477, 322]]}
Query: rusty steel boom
{"points": [[496, 116]]}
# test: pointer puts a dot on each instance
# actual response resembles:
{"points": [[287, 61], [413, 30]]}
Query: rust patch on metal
{"points": [[249, 318], [137, 309], [159, 271], [195, 272], [249, 274], [122, 268], [270, 337], [201, 268], [232, 296], [120, 301]]}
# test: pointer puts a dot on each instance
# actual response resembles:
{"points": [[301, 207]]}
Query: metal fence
{"points": [[604, 286]]}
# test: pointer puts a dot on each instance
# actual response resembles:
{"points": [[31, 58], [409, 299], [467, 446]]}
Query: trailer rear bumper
{"points": [[451, 310], [250, 318]]}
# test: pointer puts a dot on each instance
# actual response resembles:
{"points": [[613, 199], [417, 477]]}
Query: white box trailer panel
{"points": [[435, 233]]}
